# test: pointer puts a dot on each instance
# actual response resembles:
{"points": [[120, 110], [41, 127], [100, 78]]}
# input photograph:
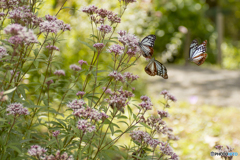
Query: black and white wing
{"points": [[193, 47], [146, 45], [199, 55], [154, 67]]}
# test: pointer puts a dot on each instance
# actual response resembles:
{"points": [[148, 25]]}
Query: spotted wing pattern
{"points": [[146, 45], [197, 54], [154, 67]]}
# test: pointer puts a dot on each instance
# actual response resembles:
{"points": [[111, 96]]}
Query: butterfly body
{"points": [[154, 67], [146, 46], [197, 53]]}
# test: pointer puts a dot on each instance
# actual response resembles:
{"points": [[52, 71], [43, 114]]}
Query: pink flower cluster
{"points": [[59, 72], [130, 41], [75, 67], [90, 9], [116, 49], [81, 62], [225, 150], [37, 150], [117, 76], [20, 34], [166, 149], [101, 14], [53, 25], [105, 28], [3, 52], [141, 136], [163, 114], [80, 93], [98, 46], [24, 15], [89, 113], [168, 96], [51, 47], [85, 126], [9, 4], [146, 103], [130, 77], [76, 104], [119, 99], [56, 133], [16, 109], [58, 156]]}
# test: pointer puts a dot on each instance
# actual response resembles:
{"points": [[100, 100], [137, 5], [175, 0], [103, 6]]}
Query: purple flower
{"points": [[130, 41], [117, 76], [76, 104], [168, 96], [105, 28], [51, 47], [58, 156], [90, 9], [20, 34], [89, 113], [81, 62], [193, 99], [174, 156], [49, 82], [130, 77], [36, 150], [113, 18], [166, 148], [146, 103], [163, 114], [98, 46], [9, 4], [117, 49], [102, 12], [3, 52], [56, 133], [75, 67], [59, 72], [16, 109], [80, 93], [153, 143], [85, 126], [108, 91]]}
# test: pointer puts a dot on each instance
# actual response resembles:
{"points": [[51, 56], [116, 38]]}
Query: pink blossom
{"points": [[89, 113], [130, 41], [85, 126], [81, 62], [168, 96], [76, 104], [105, 28], [113, 18], [163, 114], [80, 93], [49, 82], [115, 48], [146, 103], [9, 4], [90, 9], [59, 156], [16, 109], [117, 76], [130, 77], [20, 34], [98, 46], [145, 98], [166, 148], [56, 133], [36, 150], [51, 47], [75, 67], [108, 91], [59, 72], [102, 12], [3, 52]]}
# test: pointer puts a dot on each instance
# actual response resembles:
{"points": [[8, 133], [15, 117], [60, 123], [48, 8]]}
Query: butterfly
{"points": [[146, 45], [154, 67], [197, 53]]}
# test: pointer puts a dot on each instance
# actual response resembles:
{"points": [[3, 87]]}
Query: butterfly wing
{"points": [[154, 67], [193, 47], [199, 55], [146, 45]]}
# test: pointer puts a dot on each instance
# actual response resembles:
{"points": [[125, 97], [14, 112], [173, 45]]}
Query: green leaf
{"points": [[9, 91], [14, 148], [88, 45], [106, 41]]}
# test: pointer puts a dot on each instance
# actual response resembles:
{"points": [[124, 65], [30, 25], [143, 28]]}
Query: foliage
{"points": [[51, 113]]}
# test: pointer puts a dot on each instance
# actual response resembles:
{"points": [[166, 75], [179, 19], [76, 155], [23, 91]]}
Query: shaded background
{"points": [[207, 111]]}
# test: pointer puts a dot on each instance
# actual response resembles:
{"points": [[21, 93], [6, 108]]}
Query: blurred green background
{"points": [[200, 125]]}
